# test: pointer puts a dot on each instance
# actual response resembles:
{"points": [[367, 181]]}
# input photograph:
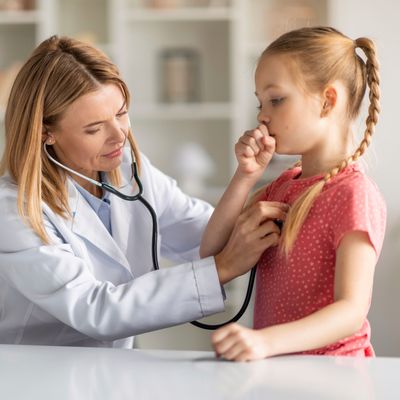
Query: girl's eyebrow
{"points": [[269, 86], [100, 122]]}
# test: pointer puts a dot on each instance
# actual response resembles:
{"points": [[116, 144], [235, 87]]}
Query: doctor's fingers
{"points": [[262, 211], [266, 229], [266, 236]]}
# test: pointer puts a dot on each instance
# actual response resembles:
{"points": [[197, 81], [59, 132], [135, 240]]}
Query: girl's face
{"points": [[92, 131], [292, 116]]}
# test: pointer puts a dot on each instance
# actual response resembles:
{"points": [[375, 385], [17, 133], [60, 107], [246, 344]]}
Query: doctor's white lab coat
{"points": [[90, 289]]}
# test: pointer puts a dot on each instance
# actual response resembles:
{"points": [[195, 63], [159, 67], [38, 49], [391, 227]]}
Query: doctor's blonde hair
{"points": [[59, 71], [321, 55]]}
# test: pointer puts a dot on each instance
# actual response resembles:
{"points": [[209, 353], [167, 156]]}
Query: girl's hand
{"points": [[238, 343], [254, 151]]}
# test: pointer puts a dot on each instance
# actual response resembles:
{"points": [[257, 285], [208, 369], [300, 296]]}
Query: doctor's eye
{"points": [[92, 131], [122, 113]]}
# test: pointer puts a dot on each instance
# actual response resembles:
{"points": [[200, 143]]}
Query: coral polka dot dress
{"points": [[291, 288]]}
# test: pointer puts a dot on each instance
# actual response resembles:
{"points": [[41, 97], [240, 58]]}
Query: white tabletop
{"points": [[36, 372]]}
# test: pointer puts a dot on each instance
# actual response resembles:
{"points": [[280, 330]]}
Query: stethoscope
{"points": [[154, 246]]}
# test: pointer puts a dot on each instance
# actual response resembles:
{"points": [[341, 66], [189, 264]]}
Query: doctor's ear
{"points": [[329, 100], [47, 137]]}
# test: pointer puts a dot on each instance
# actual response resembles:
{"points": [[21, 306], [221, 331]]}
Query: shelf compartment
{"points": [[145, 44]]}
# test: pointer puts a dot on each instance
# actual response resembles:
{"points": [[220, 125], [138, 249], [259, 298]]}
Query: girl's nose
{"points": [[262, 118]]}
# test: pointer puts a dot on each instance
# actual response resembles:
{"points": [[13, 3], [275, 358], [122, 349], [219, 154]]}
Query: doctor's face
{"points": [[91, 132]]}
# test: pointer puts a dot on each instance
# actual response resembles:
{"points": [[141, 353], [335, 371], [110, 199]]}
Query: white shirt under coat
{"points": [[89, 288]]}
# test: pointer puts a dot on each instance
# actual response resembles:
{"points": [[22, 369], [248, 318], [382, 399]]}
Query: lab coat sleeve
{"points": [[55, 279], [182, 218]]}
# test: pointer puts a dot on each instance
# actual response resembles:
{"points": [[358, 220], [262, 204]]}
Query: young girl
{"points": [[313, 290]]}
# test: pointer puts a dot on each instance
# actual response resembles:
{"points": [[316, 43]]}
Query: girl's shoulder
{"points": [[353, 181]]}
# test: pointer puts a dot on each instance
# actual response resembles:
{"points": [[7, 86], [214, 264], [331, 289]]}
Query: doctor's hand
{"points": [[238, 343], [253, 233], [254, 151]]}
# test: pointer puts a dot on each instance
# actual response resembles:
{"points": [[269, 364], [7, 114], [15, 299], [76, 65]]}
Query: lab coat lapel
{"points": [[87, 224], [135, 243]]}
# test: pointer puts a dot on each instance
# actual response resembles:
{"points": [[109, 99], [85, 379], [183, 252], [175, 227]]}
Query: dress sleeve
{"points": [[359, 206]]}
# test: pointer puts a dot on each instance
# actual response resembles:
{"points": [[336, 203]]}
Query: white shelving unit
{"points": [[140, 34], [228, 40]]}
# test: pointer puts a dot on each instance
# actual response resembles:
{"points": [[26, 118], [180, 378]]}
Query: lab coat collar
{"points": [[85, 223]]}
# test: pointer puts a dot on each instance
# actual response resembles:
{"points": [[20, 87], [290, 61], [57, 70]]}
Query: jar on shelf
{"points": [[179, 75]]}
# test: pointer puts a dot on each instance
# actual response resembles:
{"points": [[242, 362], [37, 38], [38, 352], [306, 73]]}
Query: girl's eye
{"points": [[277, 101], [259, 107]]}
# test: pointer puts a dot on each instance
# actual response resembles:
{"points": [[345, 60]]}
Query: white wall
{"points": [[380, 20]]}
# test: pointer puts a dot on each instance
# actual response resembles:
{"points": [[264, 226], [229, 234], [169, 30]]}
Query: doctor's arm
{"points": [[61, 282]]}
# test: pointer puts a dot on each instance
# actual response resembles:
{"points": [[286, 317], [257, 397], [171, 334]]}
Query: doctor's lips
{"points": [[115, 153]]}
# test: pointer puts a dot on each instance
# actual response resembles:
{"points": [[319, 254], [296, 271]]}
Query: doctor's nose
{"points": [[118, 132]]}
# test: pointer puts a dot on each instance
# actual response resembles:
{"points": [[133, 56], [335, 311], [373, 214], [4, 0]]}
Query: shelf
{"points": [[190, 111], [20, 17], [182, 14]]}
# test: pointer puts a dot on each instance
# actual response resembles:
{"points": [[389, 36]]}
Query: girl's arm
{"points": [[355, 266], [254, 151]]}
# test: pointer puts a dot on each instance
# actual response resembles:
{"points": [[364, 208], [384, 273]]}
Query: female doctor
{"points": [[75, 260]]}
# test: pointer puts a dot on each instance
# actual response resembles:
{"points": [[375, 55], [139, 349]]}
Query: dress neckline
{"points": [[295, 178]]}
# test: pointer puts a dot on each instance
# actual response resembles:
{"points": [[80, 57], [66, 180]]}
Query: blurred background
{"points": [[189, 65]]}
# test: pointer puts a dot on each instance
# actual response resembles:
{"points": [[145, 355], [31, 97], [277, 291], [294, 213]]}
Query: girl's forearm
{"points": [[225, 214], [326, 326]]}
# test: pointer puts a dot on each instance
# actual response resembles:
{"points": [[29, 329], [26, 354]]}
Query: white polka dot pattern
{"points": [[291, 288]]}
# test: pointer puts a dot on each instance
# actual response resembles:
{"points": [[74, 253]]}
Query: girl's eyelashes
{"points": [[277, 100], [274, 101]]}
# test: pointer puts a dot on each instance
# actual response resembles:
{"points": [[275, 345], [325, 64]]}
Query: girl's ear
{"points": [[329, 100]]}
